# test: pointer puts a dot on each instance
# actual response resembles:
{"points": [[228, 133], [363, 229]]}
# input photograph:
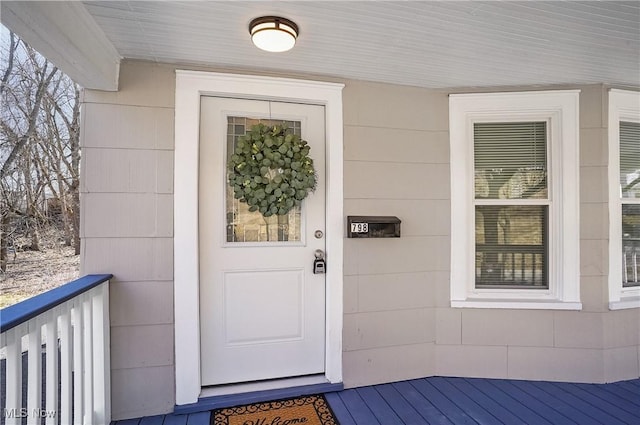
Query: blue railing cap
{"points": [[14, 315]]}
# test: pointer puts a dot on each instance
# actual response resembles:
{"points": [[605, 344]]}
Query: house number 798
{"points": [[359, 227]]}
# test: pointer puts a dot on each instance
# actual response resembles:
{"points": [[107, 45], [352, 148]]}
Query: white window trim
{"points": [[190, 86], [561, 109], [624, 105]]}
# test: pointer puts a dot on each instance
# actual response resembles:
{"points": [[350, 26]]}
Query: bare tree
{"points": [[39, 148]]}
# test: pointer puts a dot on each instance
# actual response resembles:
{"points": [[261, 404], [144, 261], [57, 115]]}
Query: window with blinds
{"points": [[511, 204], [630, 193]]}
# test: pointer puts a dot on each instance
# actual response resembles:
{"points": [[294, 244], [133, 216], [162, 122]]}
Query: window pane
{"points": [[251, 226], [631, 245], [511, 246], [510, 160], [630, 159]]}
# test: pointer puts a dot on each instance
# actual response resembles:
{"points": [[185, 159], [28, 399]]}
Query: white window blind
{"points": [[511, 204], [510, 160], [630, 159]]}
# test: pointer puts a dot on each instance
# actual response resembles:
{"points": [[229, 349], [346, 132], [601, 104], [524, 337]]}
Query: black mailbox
{"points": [[368, 226]]}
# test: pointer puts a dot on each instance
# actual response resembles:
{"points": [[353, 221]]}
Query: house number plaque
{"points": [[359, 227]]}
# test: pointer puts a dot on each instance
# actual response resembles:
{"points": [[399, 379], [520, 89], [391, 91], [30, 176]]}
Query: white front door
{"points": [[262, 309]]}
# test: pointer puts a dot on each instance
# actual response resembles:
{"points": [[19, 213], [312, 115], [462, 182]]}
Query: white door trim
{"points": [[190, 86]]}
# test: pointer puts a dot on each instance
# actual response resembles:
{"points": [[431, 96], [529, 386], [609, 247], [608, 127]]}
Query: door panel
{"points": [[262, 310], [247, 291]]}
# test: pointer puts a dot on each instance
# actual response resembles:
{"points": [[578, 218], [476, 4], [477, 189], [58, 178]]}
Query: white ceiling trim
{"points": [[67, 35]]}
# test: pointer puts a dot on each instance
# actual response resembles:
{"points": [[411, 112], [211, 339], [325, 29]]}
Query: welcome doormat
{"points": [[308, 410]]}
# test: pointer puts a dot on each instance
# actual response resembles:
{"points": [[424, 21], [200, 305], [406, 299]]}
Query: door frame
{"points": [[190, 86]]}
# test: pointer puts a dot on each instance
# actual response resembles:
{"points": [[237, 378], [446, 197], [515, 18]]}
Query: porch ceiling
{"points": [[420, 43]]}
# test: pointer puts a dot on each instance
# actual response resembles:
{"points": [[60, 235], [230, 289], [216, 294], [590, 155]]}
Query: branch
{"points": [[630, 186], [7, 73], [22, 142]]}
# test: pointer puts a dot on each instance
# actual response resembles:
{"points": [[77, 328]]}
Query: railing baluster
{"points": [[34, 376], [634, 253], [513, 266], [101, 361], [87, 357], [51, 378], [624, 266], [66, 365], [78, 387], [14, 376], [76, 381]]}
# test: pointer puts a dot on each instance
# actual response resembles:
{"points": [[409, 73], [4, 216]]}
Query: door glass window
{"points": [[251, 226]]}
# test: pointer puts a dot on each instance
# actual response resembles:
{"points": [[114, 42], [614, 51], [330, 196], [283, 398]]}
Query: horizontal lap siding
{"points": [[127, 228], [396, 163]]}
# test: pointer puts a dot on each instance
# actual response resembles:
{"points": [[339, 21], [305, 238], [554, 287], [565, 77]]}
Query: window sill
{"points": [[625, 303], [517, 304]]}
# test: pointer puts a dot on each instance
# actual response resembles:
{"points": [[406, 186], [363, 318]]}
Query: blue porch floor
{"points": [[469, 401]]}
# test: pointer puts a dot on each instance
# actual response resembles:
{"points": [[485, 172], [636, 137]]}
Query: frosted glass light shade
{"points": [[273, 34]]}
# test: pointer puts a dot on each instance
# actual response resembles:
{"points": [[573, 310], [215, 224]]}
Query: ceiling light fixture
{"points": [[273, 34]]}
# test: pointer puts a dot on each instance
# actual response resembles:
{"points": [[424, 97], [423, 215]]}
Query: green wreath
{"points": [[271, 170]]}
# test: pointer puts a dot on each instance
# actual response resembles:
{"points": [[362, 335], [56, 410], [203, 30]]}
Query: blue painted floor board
{"points": [[598, 391], [629, 386], [200, 418], [422, 405], [442, 403], [129, 422], [380, 409], [573, 415], [612, 408], [358, 409], [593, 412], [405, 411], [497, 410], [340, 410], [175, 420], [464, 402], [621, 394], [524, 413], [473, 401], [152, 420], [544, 410]]}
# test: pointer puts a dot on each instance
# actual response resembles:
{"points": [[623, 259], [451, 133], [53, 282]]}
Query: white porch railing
{"points": [[66, 330], [630, 262]]}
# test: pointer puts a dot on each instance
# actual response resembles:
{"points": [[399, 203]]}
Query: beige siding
{"points": [[556, 364], [127, 230], [475, 361], [397, 320], [388, 364], [396, 163]]}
